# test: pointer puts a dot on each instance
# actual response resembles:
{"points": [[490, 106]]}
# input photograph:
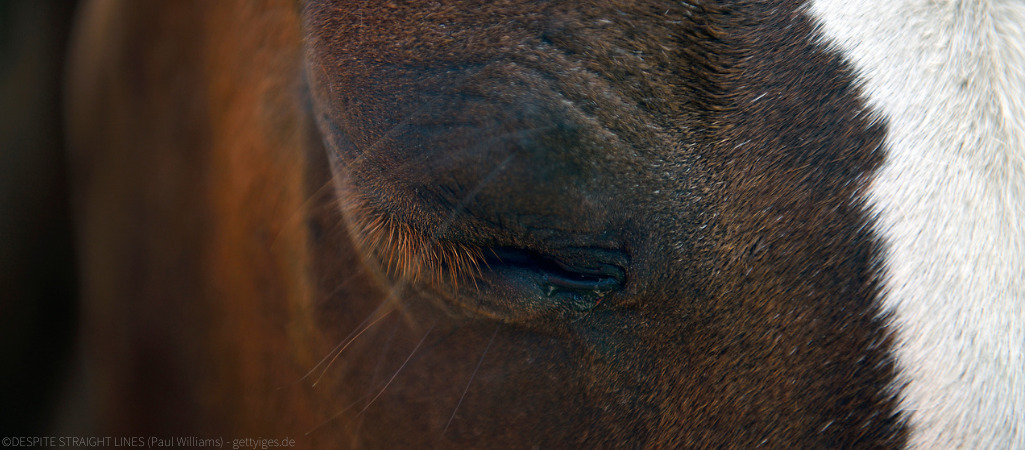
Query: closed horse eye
{"points": [[580, 281]]}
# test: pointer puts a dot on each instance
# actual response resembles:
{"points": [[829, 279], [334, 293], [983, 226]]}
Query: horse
{"points": [[508, 223]]}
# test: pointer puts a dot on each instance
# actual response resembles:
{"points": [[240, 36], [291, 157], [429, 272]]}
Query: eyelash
{"points": [[406, 253]]}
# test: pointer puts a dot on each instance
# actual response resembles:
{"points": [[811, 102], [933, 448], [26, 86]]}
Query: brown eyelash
{"points": [[407, 253]]}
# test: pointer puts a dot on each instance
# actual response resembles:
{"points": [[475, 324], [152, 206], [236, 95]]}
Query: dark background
{"points": [[37, 282]]}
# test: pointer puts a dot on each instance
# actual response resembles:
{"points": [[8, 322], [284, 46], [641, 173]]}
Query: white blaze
{"points": [[949, 79]]}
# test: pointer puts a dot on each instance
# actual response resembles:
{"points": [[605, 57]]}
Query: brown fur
{"points": [[702, 159]]}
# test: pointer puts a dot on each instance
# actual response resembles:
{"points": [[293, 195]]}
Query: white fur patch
{"points": [[949, 78]]}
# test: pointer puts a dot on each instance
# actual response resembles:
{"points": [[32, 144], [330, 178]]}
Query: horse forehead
{"points": [[522, 55]]}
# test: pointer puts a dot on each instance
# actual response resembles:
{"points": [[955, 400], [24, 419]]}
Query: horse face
{"points": [[518, 198], [544, 223], [579, 196]]}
